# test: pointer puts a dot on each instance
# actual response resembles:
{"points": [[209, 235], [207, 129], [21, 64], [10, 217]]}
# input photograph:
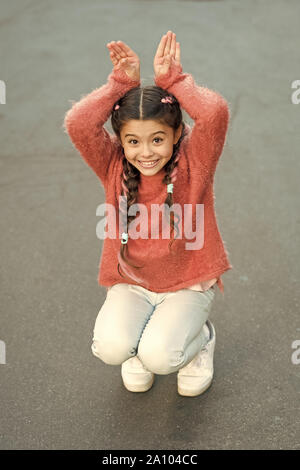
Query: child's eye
{"points": [[155, 138]]}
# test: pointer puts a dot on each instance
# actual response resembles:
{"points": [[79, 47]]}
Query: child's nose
{"points": [[147, 152]]}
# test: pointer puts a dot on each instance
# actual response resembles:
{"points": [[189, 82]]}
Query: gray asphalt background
{"points": [[54, 393]]}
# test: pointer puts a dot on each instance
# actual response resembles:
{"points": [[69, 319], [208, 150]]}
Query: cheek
{"points": [[129, 152], [168, 150], [164, 150]]}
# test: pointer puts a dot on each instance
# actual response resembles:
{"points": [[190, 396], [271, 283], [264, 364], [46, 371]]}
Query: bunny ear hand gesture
{"points": [[124, 58], [168, 52]]}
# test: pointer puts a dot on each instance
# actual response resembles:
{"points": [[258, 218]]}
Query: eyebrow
{"points": [[157, 132]]}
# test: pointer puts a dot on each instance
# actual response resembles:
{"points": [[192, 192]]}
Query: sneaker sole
{"points": [[138, 387], [192, 392]]}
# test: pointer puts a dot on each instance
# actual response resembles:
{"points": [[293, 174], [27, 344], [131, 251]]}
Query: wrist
{"points": [[171, 76], [121, 76]]}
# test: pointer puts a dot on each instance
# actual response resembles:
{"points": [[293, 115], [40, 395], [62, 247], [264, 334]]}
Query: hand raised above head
{"points": [[124, 58], [168, 51]]}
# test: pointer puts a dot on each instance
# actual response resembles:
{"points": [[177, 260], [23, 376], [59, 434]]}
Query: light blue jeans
{"points": [[164, 329]]}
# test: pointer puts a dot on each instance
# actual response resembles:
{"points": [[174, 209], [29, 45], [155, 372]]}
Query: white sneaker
{"points": [[136, 377], [194, 378]]}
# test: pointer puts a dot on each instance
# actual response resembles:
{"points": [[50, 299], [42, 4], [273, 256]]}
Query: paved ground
{"points": [[54, 393]]}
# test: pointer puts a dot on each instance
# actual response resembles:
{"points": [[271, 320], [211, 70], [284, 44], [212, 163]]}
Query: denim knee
{"points": [[112, 353], [160, 360]]}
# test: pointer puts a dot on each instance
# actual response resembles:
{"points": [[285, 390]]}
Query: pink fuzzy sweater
{"points": [[200, 150]]}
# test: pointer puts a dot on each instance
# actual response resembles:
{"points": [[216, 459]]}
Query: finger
{"points": [[126, 48], [177, 53], [161, 47], [113, 58], [168, 44], [173, 45], [116, 59], [120, 50], [110, 44], [113, 47]]}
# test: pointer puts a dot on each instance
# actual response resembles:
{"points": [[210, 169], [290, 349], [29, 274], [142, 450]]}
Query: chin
{"points": [[149, 172]]}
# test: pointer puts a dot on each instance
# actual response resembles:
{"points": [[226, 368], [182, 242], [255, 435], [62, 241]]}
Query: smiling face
{"points": [[148, 145]]}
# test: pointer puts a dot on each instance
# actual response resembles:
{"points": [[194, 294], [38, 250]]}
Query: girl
{"points": [[159, 290]]}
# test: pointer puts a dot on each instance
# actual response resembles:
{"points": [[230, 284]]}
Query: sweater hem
{"points": [[182, 285]]}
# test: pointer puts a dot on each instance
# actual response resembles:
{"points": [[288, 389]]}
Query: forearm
{"points": [[199, 102], [84, 122], [210, 113], [93, 110]]}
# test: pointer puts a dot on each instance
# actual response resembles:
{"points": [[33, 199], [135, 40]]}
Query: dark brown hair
{"points": [[144, 103]]}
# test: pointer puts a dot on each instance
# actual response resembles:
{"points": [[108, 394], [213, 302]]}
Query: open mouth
{"points": [[148, 164]]}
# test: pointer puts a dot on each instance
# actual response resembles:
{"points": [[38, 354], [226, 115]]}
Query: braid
{"points": [[130, 181], [171, 177]]}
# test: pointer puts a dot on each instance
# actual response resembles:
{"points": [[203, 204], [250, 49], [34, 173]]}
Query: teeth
{"points": [[148, 163]]}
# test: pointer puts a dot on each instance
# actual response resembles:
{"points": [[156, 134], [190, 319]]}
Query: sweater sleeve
{"points": [[84, 122], [208, 109]]}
